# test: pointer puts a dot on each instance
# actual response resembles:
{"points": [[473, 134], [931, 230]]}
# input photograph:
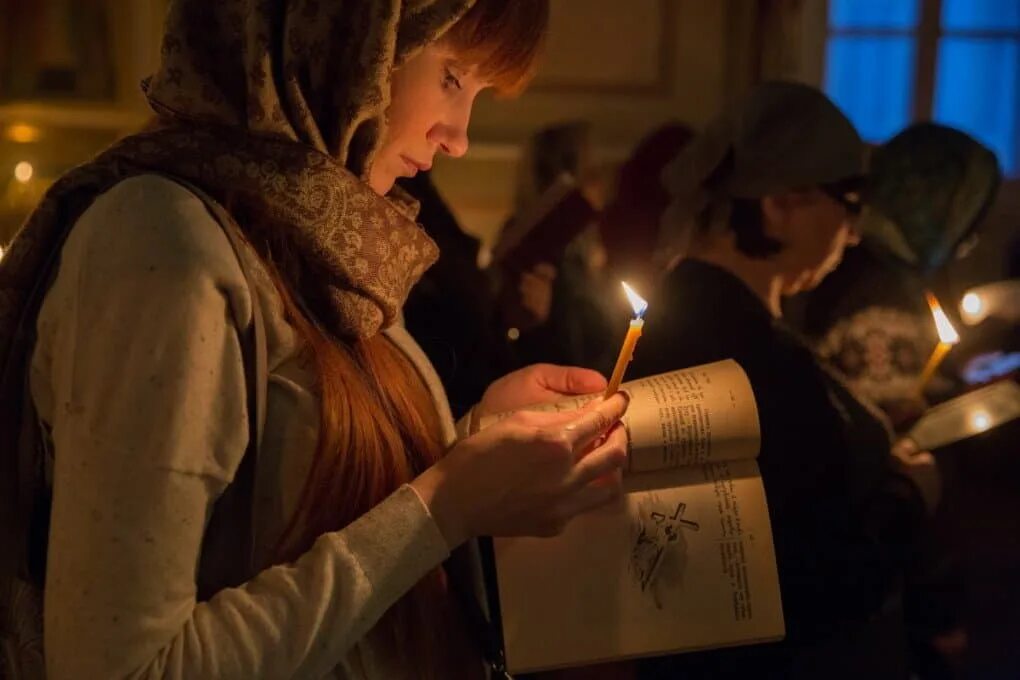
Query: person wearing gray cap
{"points": [[764, 202]]}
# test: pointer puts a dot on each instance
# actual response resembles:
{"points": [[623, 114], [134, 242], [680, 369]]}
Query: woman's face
{"points": [[815, 229], [431, 99]]}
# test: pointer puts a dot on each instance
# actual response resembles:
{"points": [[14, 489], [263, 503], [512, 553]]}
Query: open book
{"points": [[684, 562], [967, 415]]}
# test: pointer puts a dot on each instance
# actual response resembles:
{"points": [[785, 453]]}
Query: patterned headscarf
{"points": [[929, 187], [275, 107]]}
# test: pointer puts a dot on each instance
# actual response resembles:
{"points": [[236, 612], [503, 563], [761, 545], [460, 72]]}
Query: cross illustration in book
{"points": [[658, 544]]}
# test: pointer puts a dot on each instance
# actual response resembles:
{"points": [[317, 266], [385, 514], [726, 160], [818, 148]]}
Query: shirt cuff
{"points": [[397, 542]]}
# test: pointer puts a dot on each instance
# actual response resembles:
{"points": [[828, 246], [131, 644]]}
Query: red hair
{"points": [[378, 425]]}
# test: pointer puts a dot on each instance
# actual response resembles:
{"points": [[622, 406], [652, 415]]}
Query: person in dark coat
{"points": [[763, 207]]}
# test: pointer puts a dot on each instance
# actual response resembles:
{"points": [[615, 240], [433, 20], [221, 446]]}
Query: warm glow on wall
{"points": [[22, 133]]}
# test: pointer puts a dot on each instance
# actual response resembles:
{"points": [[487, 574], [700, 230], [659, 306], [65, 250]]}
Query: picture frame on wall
{"points": [[56, 50]]}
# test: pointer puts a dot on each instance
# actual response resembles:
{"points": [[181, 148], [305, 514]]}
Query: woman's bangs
{"points": [[503, 40]]}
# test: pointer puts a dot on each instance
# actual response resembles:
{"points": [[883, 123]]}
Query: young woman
{"points": [[296, 116]]}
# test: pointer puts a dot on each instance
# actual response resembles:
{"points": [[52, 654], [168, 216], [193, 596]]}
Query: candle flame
{"points": [[947, 334], [636, 301], [973, 309], [980, 420]]}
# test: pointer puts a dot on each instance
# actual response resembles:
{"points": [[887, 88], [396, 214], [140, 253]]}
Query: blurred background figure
{"points": [[548, 250], [929, 188], [451, 310], [568, 303], [629, 226]]}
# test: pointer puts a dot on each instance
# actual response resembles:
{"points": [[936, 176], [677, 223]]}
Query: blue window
{"points": [[870, 61], [874, 14], [871, 77], [877, 72], [977, 89], [969, 15]]}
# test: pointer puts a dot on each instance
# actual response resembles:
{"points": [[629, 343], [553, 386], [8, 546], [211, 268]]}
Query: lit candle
{"points": [[633, 333], [947, 338]]}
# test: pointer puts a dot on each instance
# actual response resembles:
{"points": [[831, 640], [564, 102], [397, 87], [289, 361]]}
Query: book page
{"points": [[691, 416], [967, 415], [684, 562]]}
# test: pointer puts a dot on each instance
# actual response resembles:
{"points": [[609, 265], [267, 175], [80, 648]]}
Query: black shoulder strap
{"points": [[24, 500], [484, 618]]}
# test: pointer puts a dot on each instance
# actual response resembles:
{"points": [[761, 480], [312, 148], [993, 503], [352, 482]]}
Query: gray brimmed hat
{"points": [[780, 137]]}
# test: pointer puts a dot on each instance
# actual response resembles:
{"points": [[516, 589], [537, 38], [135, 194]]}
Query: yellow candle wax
{"points": [[947, 338], [626, 354], [933, 363]]}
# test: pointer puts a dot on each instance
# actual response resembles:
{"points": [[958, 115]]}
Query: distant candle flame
{"points": [[972, 303], [973, 309], [947, 334], [636, 301]]}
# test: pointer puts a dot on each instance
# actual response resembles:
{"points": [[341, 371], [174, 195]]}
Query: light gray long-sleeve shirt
{"points": [[138, 376]]}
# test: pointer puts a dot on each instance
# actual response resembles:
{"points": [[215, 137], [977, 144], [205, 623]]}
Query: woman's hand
{"points": [[528, 475], [538, 384]]}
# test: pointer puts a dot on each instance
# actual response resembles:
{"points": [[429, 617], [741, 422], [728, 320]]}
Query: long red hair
{"points": [[378, 425]]}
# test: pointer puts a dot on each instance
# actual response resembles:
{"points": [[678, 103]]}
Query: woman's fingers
{"points": [[595, 420], [603, 460]]}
